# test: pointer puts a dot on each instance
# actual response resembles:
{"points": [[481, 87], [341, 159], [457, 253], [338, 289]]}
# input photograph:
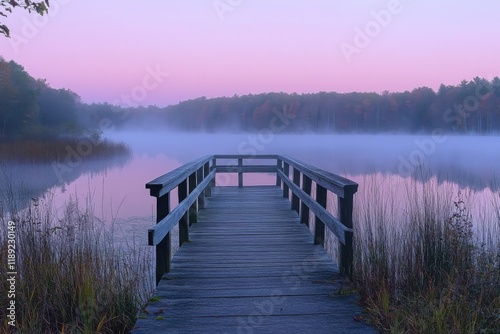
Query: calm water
{"points": [[385, 162]]}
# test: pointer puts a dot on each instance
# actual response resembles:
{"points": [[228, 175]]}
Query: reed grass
{"points": [[58, 149], [71, 277], [424, 264]]}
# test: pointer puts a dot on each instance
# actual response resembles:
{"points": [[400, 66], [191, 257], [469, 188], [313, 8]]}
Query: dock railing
{"points": [[194, 182]]}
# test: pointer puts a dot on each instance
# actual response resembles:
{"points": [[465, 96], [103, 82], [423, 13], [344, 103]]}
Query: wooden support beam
{"points": [[206, 171], [279, 166], [184, 221], [214, 167], [163, 249], [286, 171], [193, 210], [240, 173], [304, 209], [295, 198], [200, 175], [346, 250], [319, 227]]}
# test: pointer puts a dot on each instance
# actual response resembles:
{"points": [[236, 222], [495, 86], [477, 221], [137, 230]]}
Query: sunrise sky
{"points": [[104, 50]]}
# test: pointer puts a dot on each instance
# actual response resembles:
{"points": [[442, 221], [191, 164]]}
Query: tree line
{"points": [[30, 107], [469, 107]]}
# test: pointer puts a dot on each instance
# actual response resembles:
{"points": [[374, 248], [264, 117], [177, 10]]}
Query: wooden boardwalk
{"points": [[250, 266]]}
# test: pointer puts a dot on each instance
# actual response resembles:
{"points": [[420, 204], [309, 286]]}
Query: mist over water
{"points": [[471, 161], [117, 188]]}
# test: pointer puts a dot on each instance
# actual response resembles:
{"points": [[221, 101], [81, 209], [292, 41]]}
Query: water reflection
{"points": [[20, 183], [116, 188], [469, 161]]}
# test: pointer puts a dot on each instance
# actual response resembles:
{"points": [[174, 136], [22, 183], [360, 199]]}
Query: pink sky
{"points": [[103, 49]]}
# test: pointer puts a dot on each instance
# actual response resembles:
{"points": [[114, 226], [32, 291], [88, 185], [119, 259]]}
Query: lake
{"points": [[385, 164]]}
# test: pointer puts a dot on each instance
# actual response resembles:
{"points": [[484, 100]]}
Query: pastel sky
{"points": [[104, 50]]}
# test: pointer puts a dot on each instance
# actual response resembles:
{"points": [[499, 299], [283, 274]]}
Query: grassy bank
{"points": [[424, 264], [50, 150], [70, 276]]}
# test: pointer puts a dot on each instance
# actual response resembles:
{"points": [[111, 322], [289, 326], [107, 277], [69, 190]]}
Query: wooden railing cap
{"points": [[333, 182], [172, 179]]}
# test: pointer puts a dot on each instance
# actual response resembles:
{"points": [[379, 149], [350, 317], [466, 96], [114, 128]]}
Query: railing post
{"points": [[279, 166], [182, 190], [240, 173], [206, 171], [304, 209], [199, 178], [193, 210], [163, 249], [286, 171], [214, 166], [319, 227], [295, 198], [346, 251]]}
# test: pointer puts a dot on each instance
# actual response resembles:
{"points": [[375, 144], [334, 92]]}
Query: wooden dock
{"points": [[248, 265]]}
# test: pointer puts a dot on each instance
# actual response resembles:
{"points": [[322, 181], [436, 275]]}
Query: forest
{"points": [[30, 108]]}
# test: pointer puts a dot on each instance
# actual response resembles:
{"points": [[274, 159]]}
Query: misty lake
{"points": [[387, 163]]}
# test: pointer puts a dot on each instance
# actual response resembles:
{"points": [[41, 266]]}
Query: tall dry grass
{"points": [[71, 278], [423, 262], [58, 149]]}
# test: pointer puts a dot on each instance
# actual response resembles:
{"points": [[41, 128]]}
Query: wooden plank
{"points": [[246, 169], [251, 267], [260, 322], [228, 306], [246, 157]]}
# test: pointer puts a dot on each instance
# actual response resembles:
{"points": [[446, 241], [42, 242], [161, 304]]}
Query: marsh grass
{"points": [[423, 263], [71, 278], [58, 149]]}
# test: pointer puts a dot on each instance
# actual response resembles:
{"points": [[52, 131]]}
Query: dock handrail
{"points": [[195, 180]]}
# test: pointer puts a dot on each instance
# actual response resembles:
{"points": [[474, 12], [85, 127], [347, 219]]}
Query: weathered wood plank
{"points": [[259, 323], [246, 157], [246, 169], [251, 267]]}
